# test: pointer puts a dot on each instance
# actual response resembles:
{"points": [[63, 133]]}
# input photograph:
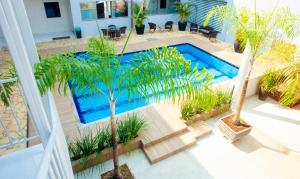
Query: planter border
{"points": [[103, 175], [106, 154], [207, 115]]}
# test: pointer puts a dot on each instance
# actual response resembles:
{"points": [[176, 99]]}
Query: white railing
{"points": [[50, 166], [53, 162]]}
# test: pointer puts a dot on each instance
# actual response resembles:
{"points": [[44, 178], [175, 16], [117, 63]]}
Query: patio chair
{"points": [[152, 27], [209, 32], [104, 32], [169, 25], [117, 35], [123, 30], [112, 33], [112, 27], [193, 27]]}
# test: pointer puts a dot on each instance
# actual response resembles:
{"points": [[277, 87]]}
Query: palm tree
{"points": [[149, 74], [184, 10], [257, 32]]}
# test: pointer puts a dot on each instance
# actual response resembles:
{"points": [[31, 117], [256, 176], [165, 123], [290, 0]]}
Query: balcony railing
{"points": [[53, 160], [14, 120]]}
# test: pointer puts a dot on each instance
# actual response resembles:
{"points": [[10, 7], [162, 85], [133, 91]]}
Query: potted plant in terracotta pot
{"points": [[140, 14], [184, 10], [258, 31]]}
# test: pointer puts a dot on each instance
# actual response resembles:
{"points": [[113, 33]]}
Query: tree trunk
{"points": [[117, 174], [242, 98]]}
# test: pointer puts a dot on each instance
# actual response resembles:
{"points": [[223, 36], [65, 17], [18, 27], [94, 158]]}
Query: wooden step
{"points": [[169, 147], [162, 123], [160, 138], [200, 129]]}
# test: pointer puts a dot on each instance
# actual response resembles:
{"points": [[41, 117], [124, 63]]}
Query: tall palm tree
{"points": [[150, 74], [257, 32]]}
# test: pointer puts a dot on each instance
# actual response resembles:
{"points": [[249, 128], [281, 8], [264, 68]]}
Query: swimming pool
{"points": [[92, 108]]}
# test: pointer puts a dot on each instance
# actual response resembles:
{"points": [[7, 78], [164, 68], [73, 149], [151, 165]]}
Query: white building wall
{"points": [[90, 28], [40, 24]]}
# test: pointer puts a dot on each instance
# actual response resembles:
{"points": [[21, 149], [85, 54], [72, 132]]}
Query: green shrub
{"points": [[82, 146], [204, 101], [103, 139], [75, 152], [130, 127], [270, 80], [87, 143], [223, 97], [187, 110]]}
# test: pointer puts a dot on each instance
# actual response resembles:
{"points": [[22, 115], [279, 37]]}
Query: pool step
{"points": [[169, 147]]}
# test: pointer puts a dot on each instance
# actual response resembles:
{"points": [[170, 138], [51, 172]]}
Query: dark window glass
{"points": [[52, 9], [100, 10], [163, 4]]}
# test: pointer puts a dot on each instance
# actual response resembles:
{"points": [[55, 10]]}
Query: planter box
{"points": [[207, 115], [106, 154], [276, 96], [124, 170], [229, 133]]}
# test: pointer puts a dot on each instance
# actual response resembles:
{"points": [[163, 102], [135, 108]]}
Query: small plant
{"points": [[187, 110], [223, 97], [140, 14], [83, 146], [204, 101], [103, 139], [184, 10], [130, 127], [75, 152], [271, 80]]}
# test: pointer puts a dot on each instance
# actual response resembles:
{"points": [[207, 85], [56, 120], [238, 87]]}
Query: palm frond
{"points": [[162, 72], [259, 28]]}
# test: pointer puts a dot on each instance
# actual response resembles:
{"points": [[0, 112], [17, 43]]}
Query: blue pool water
{"points": [[96, 107]]}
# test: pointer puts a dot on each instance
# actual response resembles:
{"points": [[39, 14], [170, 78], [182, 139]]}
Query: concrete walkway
{"points": [[257, 155], [280, 123]]}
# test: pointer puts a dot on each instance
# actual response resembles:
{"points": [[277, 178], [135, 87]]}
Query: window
{"points": [[103, 9], [163, 4], [52, 9]]}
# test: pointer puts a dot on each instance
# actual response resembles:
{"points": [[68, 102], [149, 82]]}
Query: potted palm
{"points": [[157, 69], [140, 14], [184, 11], [240, 41], [258, 32]]}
